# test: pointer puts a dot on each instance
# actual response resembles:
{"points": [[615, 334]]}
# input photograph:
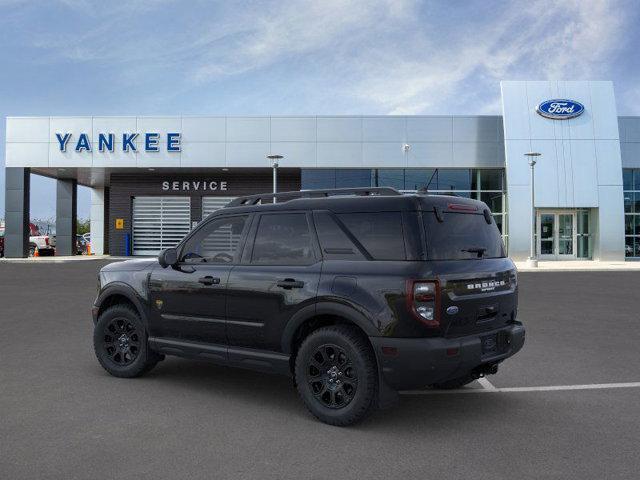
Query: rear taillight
{"points": [[423, 300], [46, 240], [459, 207]]}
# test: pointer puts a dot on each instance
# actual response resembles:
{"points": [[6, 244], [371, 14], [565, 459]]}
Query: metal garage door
{"points": [[211, 204], [159, 222]]}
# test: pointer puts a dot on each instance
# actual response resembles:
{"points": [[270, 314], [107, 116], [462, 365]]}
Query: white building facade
{"points": [[154, 178]]}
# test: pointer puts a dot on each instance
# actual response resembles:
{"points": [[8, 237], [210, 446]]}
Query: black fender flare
{"points": [[122, 289], [325, 308]]}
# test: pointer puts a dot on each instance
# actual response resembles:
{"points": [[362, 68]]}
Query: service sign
{"points": [[560, 109], [106, 142]]}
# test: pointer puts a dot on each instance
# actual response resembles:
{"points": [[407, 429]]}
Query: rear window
{"points": [[461, 236], [335, 243], [379, 233]]}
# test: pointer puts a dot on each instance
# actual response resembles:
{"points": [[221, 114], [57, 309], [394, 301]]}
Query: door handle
{"points": [[289, 283], [209, 280]]}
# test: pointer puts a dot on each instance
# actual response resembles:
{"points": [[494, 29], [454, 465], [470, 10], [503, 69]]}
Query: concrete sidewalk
{"points": [[578, 266], [63, 259]]}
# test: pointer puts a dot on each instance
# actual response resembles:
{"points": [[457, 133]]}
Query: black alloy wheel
{"points": [[336, 374], [332, 376], [121, 341]]}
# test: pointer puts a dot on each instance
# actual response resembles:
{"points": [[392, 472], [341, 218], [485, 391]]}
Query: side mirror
{"points": [[168, 257]]}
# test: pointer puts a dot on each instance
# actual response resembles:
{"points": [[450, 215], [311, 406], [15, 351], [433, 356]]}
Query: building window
{"points": [[631, 182], [486, 184]]}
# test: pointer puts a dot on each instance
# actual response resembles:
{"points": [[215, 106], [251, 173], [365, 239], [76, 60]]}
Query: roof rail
{"points": [[286, 196]]}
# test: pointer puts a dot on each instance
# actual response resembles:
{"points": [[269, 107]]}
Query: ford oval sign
{"points": [[560, 109]]}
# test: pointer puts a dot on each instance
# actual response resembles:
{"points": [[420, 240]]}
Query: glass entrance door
{"points": [[557, 238], [546, 227], [566, 222]]}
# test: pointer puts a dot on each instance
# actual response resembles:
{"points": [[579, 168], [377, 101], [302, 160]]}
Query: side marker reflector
{"points": [[390, 351]]}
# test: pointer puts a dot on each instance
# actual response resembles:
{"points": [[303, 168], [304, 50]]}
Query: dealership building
{"points": [[152, 179]]}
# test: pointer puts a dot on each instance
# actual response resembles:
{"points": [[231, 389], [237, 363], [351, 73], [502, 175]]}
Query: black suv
{"points": [[355, 293]]}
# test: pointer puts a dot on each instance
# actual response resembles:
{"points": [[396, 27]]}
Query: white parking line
{"points": [[486, 384], [487, 387]]}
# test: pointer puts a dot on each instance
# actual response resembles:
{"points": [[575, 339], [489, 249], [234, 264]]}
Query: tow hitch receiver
{"points": [[483, 370]]}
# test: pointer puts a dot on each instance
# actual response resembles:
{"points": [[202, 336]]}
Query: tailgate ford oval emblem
{"points": [[452, 310]]}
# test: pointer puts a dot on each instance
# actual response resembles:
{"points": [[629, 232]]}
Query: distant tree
{"points": [[84, 226]]}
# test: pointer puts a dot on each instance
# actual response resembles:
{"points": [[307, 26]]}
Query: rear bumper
{"points": [[407, 363]]}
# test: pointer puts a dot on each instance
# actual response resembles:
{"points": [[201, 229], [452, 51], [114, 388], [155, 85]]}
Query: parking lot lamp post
{"points": [[532, 261], [274, 163]]}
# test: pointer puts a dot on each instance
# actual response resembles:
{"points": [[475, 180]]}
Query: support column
{"points": [[66, 217], [17, 190], [97, 221]]}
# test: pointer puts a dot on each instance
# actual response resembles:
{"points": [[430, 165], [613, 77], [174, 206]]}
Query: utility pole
{"points": [[532, 261], [274, 163]]}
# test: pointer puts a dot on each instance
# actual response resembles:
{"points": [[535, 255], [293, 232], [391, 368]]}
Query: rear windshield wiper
{"points": [[479, 250]]}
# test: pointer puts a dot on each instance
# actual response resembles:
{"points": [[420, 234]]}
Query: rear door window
{"points": [[461, 236], [380, 233], [283, 239]]}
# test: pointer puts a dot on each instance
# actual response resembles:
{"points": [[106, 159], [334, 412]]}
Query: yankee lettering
{"points": [[196, 185], [149, 141]]}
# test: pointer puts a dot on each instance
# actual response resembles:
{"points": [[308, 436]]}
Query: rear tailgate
{"points": [[476, 295], [478, 284]]}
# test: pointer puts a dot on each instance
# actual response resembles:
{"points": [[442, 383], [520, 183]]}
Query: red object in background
{"points": [[33, 230]]}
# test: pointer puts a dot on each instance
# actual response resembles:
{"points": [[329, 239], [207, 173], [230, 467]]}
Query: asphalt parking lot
{"points": [[62, 416]]}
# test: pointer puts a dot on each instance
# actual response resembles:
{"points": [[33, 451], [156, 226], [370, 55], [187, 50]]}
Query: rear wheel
{"points": [[335, 374], [120, 343]]}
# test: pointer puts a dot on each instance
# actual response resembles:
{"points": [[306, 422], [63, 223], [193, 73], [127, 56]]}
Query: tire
{"points": [[454, 383], [336, 375], [120, 343], [32, 249]]}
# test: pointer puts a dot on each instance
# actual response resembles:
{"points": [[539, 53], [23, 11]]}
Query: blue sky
{"points": [[79, 57]]}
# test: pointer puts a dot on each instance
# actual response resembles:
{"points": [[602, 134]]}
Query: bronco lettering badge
{"points": [[487, 286]]}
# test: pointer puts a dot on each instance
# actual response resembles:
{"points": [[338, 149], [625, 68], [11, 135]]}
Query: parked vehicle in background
{"points": [[1, 241], [355, 293], [81, 245], [44, 243]]}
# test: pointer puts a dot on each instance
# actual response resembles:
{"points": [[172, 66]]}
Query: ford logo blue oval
{"points": [[560, 109], [452, 310]]}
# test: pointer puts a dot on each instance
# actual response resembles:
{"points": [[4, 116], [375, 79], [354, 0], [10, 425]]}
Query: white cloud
{"points": [[392, 56], [543, 40]]}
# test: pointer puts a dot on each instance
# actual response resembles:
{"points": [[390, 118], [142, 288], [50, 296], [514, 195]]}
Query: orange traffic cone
{"points": [[88, 249], [36, 253]]}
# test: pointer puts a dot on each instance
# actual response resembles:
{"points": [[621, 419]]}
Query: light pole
{"points": [[274, 163], [532, 261]]}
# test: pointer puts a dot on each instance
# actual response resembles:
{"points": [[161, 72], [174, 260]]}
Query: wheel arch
{"points": [[120, 294], [319, 315]]}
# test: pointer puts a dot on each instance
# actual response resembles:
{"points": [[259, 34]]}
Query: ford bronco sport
{"points": [[355, 293]]}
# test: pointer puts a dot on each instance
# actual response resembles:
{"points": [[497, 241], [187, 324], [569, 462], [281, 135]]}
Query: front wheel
{"points": [[120, 343], [336, 375]]}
